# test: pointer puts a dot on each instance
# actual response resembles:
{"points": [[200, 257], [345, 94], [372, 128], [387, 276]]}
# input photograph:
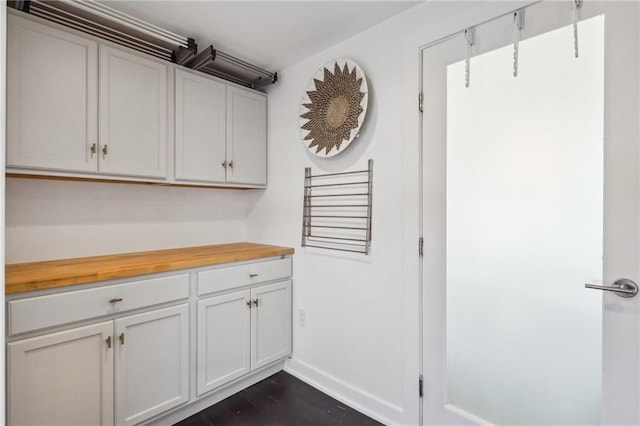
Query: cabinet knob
{"points": [[224, 164], [231, 164], [94, 148], [108, 341], [249, 303], [116, 300], [122, 338], [255, 302], [105, 151]]}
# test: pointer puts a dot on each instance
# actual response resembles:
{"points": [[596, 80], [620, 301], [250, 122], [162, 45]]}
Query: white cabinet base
{"points": [[223, 339], [152, 365], [270, 323], [155, 363], [62, 378]]}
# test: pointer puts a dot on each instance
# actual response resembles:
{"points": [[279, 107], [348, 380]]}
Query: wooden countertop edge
{"points": [[23, 277]]}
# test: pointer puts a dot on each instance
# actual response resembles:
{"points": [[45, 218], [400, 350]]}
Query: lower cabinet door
{"points": [[223, 339], [152, 363], [270, 323], [63, 378]]}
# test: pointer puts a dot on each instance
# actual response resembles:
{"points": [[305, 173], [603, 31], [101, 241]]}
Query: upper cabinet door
{"points": [[133, 114], [200, 128], [246, 136], [52, 98]]}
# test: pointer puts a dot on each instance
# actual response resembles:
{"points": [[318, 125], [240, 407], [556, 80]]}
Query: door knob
{"points": [[623, 287]]}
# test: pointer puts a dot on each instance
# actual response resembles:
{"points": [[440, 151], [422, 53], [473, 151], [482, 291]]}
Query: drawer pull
{"points": [[108, 342], [122, 338], [116, 300], [253, 275], [255, 302]]}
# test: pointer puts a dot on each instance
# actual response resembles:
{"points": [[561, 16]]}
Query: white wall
{"points": [[361, 339], [3, 40], [47, 219]]}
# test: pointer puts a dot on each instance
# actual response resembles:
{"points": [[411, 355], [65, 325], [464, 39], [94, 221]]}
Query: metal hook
{"points": [[518, 24], [577, 4], [470, 37]]}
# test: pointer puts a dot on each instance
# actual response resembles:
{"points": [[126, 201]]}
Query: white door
{"points": [[246, 136], [223, 339], [63, 378], [270, 323], [530, 191], [133, 114], [200, 128], [52, 98], [152, 363]]}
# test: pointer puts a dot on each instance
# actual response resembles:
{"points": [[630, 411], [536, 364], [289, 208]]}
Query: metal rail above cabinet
{"points": [[337, 210], [107, 23]]}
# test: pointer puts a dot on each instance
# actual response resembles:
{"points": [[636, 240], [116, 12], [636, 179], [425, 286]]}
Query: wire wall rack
{"points": [[337, 210]]}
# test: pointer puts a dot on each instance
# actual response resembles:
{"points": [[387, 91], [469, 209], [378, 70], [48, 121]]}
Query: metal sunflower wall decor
{"points": [[333, 107]]}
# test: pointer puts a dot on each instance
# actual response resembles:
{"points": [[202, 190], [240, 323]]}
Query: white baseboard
{"points": [[355, 398]]}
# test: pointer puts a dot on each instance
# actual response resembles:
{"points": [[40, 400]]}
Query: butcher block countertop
{"points": [[22, 277]]}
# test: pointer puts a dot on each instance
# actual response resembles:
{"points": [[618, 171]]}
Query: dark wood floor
{"points": [[280, 400]]}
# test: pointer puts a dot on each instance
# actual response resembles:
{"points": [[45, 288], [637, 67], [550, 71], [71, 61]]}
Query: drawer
{"points": [[56, 309], [220, 279]]}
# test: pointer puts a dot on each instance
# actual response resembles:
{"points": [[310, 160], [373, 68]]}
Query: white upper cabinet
{"points": [[221, 132], [133, 114], [246, 136], [80, 107], [200, 128], [52, 89]]}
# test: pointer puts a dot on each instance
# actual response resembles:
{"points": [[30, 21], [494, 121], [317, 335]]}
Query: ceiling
{"points": [[270, 34]]}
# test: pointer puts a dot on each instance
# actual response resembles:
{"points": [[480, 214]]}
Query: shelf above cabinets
{"points": [[103, 112]]}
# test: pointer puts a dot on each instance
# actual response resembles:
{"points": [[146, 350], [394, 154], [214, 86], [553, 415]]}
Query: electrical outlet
{"points": [[302, 317]]}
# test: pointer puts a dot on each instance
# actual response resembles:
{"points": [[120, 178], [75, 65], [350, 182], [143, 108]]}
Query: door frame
{"points": [[462, 16], [412, 267]]}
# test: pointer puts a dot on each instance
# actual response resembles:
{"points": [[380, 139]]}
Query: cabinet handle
{"points": [[253, 275], [105, 151], [224, 164], [122, 338], [249, 303], [108, 342], [93, 150], [116, 300], [231, 164], [255, 302]]}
